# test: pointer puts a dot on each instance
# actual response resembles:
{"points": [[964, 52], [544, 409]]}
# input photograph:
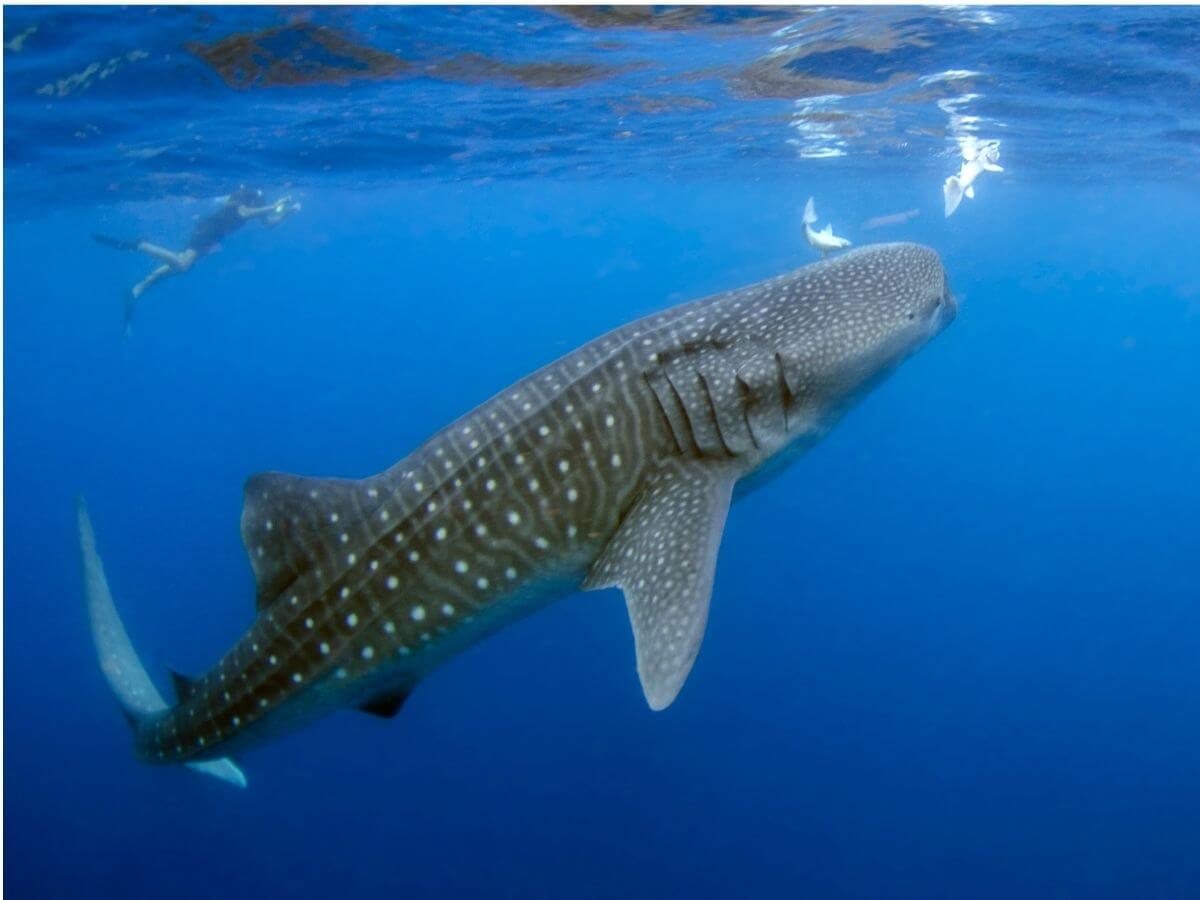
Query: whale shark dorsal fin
{"points": [[288, 521], [663, 556]]}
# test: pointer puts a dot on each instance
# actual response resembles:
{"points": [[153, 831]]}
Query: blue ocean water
{"points": [[952, 652]]}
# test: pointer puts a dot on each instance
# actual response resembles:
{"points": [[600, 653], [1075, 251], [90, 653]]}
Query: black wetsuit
{"points": [[215, 227]]}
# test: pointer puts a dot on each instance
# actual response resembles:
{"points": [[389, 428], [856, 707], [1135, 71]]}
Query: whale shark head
{"points": [[858, 317]]}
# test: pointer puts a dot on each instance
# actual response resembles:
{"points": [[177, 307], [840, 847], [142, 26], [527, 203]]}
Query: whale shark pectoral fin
{"points": [[287, 518], [663, 557]]}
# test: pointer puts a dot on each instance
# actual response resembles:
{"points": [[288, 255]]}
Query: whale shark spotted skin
{"points": [[613, 466]]}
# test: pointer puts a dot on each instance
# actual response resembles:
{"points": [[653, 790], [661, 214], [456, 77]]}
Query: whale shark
{"points": [[614, 466]]}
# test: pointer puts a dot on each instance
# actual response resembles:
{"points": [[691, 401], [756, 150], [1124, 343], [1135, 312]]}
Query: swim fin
{"points": [[115, 243], [127, 330]]}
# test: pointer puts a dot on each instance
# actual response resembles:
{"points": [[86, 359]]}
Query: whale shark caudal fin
{"points": [[126, 676], [663, 557]]}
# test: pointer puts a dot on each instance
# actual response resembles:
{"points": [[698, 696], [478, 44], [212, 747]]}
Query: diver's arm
{"points": [[257, 212]]}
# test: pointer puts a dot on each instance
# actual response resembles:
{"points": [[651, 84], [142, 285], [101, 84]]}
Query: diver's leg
{"points": [[176, 264], [135, 292], [178, 261], [152, 279]]}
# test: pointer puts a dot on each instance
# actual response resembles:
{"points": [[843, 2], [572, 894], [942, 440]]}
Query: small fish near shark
{"points": [[978, 157], [823, 240], [613, 467]]}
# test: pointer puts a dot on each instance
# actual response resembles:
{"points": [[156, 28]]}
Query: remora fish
{"points": [[978, 157], [823, 240], [613, 466]]}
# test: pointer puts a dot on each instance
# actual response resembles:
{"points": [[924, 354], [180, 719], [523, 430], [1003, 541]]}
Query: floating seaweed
{"points": [[299, 53], [779, 77], [475, 67], [677, 18], [647, 105]]}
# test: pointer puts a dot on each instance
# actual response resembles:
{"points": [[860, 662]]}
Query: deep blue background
{"points": [[952, 652]]}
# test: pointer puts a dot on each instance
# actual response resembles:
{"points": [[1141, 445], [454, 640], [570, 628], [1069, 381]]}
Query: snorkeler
{"points": [[236, 209]]}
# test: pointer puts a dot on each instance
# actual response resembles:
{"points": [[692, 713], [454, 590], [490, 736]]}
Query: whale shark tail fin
{"points": [[952, 191], [139, 698], [810, 212]]}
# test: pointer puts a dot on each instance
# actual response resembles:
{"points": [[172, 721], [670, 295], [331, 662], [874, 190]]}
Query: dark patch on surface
{"points": [[939, 90], [878, 54], [824, 118], [294, 54], [658, 105], [774, 77], [476, 68], [678, 18]]}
